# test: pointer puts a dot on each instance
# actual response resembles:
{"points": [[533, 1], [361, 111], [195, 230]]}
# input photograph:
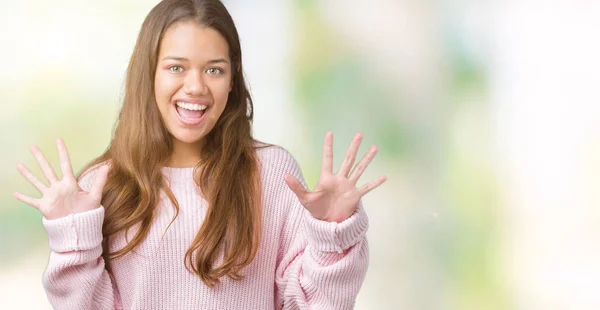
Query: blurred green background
{"points": [[484, 112]]}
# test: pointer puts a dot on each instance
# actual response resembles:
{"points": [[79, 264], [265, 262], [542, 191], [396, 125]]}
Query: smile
{"points": [[191, 113]]}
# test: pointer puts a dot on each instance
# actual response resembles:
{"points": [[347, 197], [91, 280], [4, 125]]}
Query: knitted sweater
{"points": [[302, 262]]}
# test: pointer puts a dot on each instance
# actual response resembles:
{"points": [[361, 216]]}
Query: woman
{"points": [[185, 210]]}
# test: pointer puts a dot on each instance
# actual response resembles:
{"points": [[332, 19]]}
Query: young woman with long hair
{"points": [[185, 210]]}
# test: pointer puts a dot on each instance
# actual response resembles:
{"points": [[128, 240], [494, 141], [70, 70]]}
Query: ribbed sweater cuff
{"points": [[336, 237], [76, 231]]}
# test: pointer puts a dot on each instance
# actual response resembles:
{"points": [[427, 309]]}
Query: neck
{"points": [[185, 155]]}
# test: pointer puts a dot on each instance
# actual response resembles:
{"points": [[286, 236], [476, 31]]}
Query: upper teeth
{"points": [[191, 106]]}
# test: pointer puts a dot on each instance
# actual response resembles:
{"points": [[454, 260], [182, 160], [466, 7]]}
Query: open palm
{"points": [[61, 197], [336, 196]]}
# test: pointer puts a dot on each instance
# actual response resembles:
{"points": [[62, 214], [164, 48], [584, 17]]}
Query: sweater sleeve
{"points": [[321, 265], [75, 277]]}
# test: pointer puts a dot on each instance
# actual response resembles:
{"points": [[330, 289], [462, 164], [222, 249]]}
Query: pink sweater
{"points": [[302, 263]]}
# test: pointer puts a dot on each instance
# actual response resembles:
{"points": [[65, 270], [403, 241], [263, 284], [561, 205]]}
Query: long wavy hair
{"points": [[228, 172]]}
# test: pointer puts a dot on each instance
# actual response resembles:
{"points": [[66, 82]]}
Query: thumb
{"points": [[295, 186], [99, 182]]}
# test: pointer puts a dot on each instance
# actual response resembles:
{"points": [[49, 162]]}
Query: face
{"points": [[193, 81]]}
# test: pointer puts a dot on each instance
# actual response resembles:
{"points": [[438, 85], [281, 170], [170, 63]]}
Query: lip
{"points": [[188, 122]]}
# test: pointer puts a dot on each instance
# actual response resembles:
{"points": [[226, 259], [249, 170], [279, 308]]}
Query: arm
{"points": [[72, 215], [324, 263], [76, 277], [325, 251]]}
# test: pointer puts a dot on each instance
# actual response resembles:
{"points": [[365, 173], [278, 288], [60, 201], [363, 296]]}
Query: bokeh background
{"points": [[486, 113]]}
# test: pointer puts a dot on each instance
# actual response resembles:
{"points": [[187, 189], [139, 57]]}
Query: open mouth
{"points": [[190, 113]]}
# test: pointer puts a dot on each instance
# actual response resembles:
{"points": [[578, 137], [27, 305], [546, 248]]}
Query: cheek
{"points": [[221, 92], [164, 87]]}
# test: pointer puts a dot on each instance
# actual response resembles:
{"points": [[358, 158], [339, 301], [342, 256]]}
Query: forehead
{"points": [[193, 41]]}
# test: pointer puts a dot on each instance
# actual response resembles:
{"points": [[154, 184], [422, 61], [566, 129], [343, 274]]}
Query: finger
{"points": [[46, 168], [371, 186], [362, 164], [31, 178], [65, 160], [296, 186], [27, 200], [99, 182], [350, 156], [327, 163]]}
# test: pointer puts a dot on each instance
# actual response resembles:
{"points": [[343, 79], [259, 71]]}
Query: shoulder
{"points": [[275, 162], [88, 175], [275, 157]]}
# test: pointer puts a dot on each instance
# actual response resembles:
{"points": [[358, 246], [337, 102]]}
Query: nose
{"points": [[194, 84]]}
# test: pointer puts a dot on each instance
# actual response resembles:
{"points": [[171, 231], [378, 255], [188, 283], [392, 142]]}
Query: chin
{"points": [[188, 138]]}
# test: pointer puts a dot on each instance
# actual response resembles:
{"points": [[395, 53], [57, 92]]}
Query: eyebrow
{"points": [[213, 61]]}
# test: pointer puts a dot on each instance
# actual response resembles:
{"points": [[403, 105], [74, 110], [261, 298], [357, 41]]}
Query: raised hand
{"points": [[335, 196], [61, 197]]}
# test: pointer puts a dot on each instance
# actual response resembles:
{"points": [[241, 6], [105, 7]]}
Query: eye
{"points": [[214, 71], [176, 69]]}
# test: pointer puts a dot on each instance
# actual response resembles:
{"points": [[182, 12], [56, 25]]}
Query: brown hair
{"points": [[141, 145]]}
